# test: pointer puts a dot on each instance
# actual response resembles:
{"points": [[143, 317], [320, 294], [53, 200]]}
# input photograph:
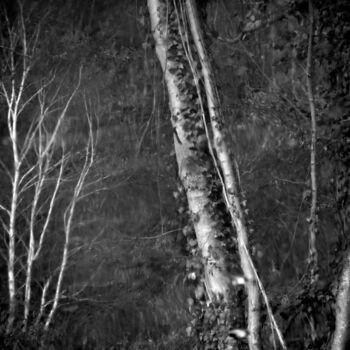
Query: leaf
{"points": [[192, 242]]}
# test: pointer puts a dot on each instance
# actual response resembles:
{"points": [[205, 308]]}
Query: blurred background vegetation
{"points": [[125, 287]]}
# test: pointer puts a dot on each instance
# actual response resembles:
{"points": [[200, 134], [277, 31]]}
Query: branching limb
{"points": [[68, 219]]}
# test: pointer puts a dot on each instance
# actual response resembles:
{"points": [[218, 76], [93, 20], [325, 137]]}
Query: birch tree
{"points": [[203, 156], [37, 173], [194, 164]]}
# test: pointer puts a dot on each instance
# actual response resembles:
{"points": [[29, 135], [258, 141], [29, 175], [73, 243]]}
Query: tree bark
{"points": [[230, 184], [201, 150], [194, 164], [341, 339]]}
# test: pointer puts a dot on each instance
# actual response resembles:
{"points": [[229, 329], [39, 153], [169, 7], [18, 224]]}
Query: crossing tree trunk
{"points": [[231, 191], [191, 147], [202, 153]]}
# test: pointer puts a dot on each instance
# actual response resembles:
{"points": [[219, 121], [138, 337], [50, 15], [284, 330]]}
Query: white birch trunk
{"points": [[31, 246], [186, 118], [313, 210], [68, 221], [13, 100], [12, 254], [231, 188], [341, 338]]}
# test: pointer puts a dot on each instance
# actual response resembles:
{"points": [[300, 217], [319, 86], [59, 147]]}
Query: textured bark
{"points": [[341, 338], [195, 166], [230, 183]]}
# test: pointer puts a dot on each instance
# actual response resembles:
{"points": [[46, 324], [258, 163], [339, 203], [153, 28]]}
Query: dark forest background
{"points": [[126, 285]]}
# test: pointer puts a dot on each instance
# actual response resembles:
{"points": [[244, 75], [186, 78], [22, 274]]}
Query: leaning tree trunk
{"points": [[194, 164], [229, 178], [201, 149]]}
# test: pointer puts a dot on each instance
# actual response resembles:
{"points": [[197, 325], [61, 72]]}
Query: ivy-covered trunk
{"points": [[195, 166], [204, 162]]}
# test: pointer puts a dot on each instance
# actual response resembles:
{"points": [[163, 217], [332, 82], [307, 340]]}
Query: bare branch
{"points": [[43, 301], [51, 206], [68, 219], [62, 115]]}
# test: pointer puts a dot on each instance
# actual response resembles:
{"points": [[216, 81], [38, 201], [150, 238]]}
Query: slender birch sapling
{"points": [[36, 172]]}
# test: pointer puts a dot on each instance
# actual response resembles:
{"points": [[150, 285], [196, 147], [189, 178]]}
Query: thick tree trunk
{"points": [[194, 163], [201, 150], [230, 184], [341, 338]]}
